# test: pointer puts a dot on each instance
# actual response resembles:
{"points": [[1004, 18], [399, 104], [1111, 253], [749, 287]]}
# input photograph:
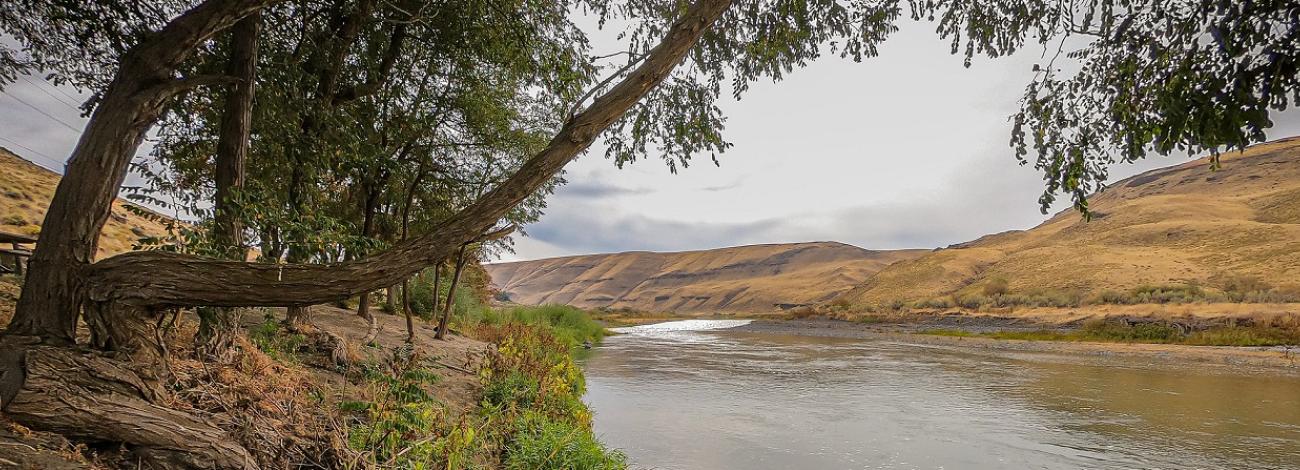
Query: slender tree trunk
{"points": [[451, 294], [218, 325], [390, 298], [437, 286], [406, 309]]}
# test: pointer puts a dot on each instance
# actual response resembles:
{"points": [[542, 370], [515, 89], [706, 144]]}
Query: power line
{"points": [[64, 93], [39, 110], [37, 153], [52, 95]]}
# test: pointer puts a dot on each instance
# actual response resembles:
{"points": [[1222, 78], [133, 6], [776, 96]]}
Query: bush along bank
{"points": [[530, 415], [1283, 331]]}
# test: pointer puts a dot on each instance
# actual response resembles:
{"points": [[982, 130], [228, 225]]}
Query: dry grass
{"points": [[26, 190], [1183, 226], [745, 279]]}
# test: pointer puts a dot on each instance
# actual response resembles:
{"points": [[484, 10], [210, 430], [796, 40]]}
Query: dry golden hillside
{"points": [[745, 279], [25, 193], [1186, 226]]}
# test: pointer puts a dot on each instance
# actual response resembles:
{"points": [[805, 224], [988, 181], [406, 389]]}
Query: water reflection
{"points": [[679, 398]]}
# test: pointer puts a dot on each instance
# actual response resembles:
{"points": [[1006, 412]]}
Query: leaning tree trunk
{"points": [[451, 295], [219, 325], [55, 285]]}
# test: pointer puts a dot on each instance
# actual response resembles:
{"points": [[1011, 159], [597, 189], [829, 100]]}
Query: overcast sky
{"points": [[904, 150]]}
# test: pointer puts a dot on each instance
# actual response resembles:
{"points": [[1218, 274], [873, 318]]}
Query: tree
{"points": [[217, 325], [1153, 77]]}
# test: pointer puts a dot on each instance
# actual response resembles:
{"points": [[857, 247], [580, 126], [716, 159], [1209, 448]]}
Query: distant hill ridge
{"points": [[742, 279], [1181, 226], [1184, 225]]}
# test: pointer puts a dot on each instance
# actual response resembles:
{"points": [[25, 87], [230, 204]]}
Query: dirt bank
{"points": [[1261, 360]]}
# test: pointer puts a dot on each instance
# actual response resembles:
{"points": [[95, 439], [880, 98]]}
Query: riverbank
{"points": [[502, 391], [1272, 360]]}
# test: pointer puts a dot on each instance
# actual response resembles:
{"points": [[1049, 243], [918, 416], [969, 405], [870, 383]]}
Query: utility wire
{"points": [[75, 99], [37, 153], [52, 95], [42, 111]]}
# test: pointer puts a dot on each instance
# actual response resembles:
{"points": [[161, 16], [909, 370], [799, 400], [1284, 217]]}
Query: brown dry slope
{"points": [[25, 193], [744, 279], [1183, 225]]}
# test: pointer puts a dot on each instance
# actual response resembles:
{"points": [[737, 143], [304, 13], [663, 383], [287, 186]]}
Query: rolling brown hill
{"points": [[1185, 225], [744, 279], [25, 193]]}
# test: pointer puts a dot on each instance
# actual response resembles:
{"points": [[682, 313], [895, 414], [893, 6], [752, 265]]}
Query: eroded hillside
{"points": [[1186, 226], [745, 279]]}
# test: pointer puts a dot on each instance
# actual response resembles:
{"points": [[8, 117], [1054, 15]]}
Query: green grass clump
{"points": [[533, 383], [269, 337], [569, 324], [1125, 333], [1244, 336], [543, 443]]}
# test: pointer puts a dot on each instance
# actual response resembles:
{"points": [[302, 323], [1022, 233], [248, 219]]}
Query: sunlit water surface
{"points": [[683, 395]]}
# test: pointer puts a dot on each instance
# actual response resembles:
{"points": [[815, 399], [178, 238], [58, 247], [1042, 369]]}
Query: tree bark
{"points": [[145, 81], [390, 298], [437, 286], [406, 310], [218, 325], [93, 398], [451, 295], [172, 279]]}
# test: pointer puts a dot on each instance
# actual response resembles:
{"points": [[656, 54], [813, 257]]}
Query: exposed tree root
{"points": [[92, 398]]}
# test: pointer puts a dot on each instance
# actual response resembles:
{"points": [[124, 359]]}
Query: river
{"points": [[685, 395]]}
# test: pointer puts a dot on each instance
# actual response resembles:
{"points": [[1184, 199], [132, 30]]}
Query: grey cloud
{"points": [[584, 228], [596, 189]]}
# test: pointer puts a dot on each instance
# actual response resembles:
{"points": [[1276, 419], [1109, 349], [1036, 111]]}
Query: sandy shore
{"points": [[1250, 360]]}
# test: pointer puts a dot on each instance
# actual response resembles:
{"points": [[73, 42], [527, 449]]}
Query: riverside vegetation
{"points": [[1277, 332], [530, 416]]}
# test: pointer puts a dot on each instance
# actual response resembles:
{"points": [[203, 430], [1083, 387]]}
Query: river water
{"points": [[681, 395]]}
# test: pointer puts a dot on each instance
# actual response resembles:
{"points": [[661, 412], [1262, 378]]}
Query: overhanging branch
{"points": [[164, 279]]}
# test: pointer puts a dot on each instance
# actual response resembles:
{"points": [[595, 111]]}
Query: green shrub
{"points": [[541, 443], [996, 287], [971, 301], [467, 304]]}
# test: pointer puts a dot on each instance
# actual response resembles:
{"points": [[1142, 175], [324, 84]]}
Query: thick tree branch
{"points": [[152, 278]]}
